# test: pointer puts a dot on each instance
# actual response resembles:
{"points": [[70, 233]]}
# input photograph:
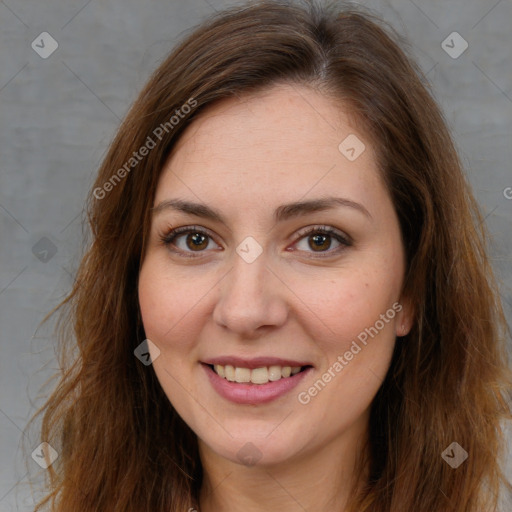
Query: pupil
{"points": [[320, 242]]}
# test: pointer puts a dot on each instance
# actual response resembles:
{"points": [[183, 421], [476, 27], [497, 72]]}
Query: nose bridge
{"points": [[249, 296], [246, 280]]}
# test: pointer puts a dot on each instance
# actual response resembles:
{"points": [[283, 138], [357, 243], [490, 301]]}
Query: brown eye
{"points": [[323, 240], [319, 242], [188, 240], [197, 241]]}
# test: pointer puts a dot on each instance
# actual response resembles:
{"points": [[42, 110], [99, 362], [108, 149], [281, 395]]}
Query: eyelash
{"points": [[168, 238]]}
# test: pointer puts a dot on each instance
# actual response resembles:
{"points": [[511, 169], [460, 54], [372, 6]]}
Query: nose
{"points": [[252, 299]]}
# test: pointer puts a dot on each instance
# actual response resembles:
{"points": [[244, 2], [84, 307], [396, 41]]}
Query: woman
{"points": [[287, 302]]}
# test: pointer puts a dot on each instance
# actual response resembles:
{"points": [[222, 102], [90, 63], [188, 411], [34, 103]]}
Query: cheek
{"points": [[352, 323], [168, 306], [348, 305]]}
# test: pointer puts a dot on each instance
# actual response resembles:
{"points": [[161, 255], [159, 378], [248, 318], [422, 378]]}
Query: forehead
{"points": [[277, 145]]}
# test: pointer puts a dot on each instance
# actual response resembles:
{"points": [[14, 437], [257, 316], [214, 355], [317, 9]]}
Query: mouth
{"points": [[257, 376], [255, 382]]}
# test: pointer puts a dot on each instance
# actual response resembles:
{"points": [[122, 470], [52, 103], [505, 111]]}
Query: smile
{"points": [[257, 385]]}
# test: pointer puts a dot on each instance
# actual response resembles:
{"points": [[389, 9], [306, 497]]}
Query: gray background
{"points": [[57, 116]]}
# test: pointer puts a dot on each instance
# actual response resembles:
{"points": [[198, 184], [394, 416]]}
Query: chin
{"points": [[250, 450]]}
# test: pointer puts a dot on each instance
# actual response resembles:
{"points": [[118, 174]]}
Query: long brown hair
{"points": [[122, 446]]}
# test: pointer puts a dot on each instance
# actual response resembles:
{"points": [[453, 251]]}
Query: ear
{"points": [[404, 318]]}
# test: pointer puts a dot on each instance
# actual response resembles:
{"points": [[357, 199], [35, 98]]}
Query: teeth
{"points": [[242, 375], [229, 372], [257, 375], [274, 373]]}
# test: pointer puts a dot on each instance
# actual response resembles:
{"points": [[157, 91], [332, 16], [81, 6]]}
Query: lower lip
{"points": [[253, 393]]}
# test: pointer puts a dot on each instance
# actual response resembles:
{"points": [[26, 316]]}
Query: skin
{"points": [[246, 157]]}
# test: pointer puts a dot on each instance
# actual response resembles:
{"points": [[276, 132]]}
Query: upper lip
{"points": [[255, 362]]}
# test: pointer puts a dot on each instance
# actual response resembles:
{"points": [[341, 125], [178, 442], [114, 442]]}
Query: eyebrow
{"points": [[282, 213]]}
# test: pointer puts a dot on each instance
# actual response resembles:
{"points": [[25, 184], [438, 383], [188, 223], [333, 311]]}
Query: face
{"points": [[272, 278]]}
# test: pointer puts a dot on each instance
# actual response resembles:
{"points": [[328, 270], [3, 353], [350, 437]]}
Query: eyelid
{"points": [[324, 228], [173, 232]]}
